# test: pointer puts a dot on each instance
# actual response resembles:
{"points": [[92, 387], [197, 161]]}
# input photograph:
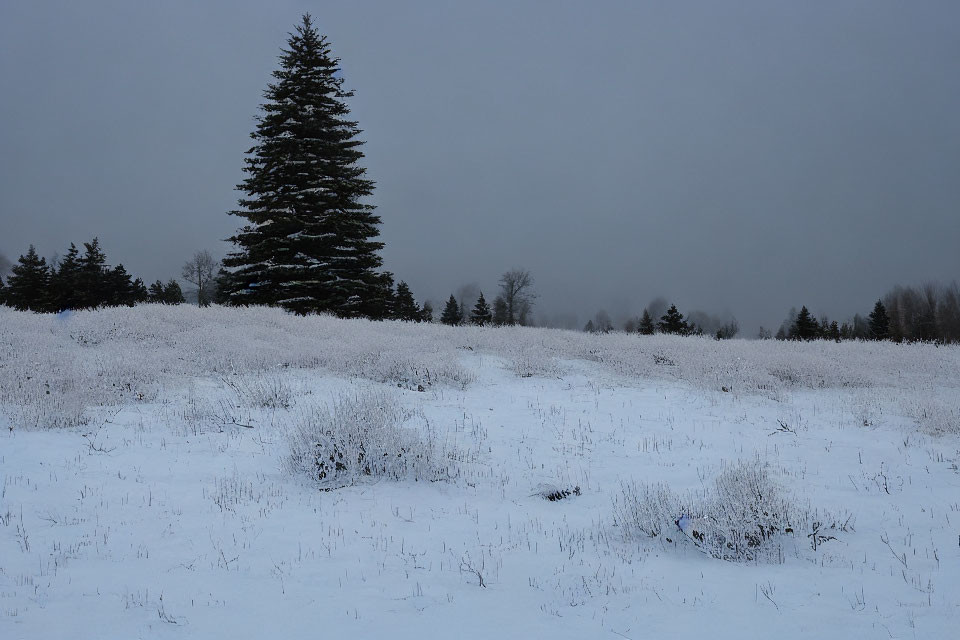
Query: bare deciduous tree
{"points": [[198, 270], [516, 288]]}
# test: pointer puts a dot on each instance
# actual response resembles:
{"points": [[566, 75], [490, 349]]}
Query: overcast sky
{"points": [[731, 156]]}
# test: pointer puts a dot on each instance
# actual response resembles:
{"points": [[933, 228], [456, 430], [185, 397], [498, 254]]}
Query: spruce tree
{"points": [[65, 282], [3, 293], [222, 287], [119, 287], [405, 307], [672, 322], [28, 284], [92, 282], [451, 312], [879, 322], [308, 243], [834, 333], [140, 293], [646, 326], [427, 314], [382, 299], [481, 314], [155, 292], [172, 293], [806, 327]]}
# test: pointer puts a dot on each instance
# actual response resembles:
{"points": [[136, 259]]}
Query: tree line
{"points": [[512, 306], [657, 317], [79, 281], [928, 313]]}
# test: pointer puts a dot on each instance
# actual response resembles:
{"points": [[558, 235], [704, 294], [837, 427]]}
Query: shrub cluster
{"points": [[364, 436]]}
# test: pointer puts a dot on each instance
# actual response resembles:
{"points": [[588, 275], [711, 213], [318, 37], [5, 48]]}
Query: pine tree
{"points": [[846, 331], [427, 314], [308, 244], [451, 312], [119, 287], [834, 333], [92, 286], [589, 327], [221, 287], [172, 293], [646, 324], [405, 307], [3, 293], [879, 322], [672, 322], [140, 293], [66, 281], [481, 314], [806, 326], [28, 284], [382, 300], [155, 292]]}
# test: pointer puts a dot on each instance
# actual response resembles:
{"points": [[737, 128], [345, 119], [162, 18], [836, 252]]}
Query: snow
{"points": [[149, 493]]}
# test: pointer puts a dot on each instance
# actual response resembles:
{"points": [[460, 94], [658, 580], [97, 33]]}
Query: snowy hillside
{"points": [[183, 473]]}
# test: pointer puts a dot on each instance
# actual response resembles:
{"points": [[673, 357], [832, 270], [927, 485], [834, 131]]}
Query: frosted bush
{"points": [[265, 390], [645, 510], [936, 416], [739, 518], [369, 435]]}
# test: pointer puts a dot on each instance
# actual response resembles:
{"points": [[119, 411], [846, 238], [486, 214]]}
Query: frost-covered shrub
{"points": [[369, 435], [936, 416], [265, 390], [645, 510], [749, 509], [739, 518]]}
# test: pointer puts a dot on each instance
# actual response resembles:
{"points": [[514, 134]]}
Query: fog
{"points": [[738, 158]]}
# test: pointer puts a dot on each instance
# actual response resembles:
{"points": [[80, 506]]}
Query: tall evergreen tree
{"points": [[65, 283], [155, 292], [427, 314], [405, 307], [28, 284], [646, 326], [222, 287], [3, 293], [834, 333], [140, 293], [879, 322], [172, 293], [92, 282], [451, 312], [308, 244], [481, 314], [672, 322], [381, 300], [806, 327], [119, 287]]}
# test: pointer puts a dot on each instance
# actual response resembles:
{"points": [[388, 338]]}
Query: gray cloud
{"points": [[742, 157]]}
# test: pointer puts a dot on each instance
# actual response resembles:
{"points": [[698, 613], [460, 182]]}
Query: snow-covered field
{"points": [[155, 481]]}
